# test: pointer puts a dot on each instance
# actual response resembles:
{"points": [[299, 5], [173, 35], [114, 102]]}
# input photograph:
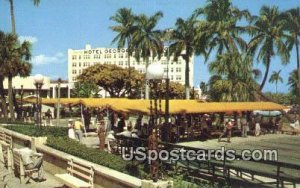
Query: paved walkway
{"points": [[11, 181]]}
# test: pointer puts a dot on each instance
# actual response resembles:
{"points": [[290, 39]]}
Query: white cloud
{"points": [[30, 39], [43, 59]]}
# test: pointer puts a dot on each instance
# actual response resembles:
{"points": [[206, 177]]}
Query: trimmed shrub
{"points": [[32, 130], [16, 122], [103, 158]]}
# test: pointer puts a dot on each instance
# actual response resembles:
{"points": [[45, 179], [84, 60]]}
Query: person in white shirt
{"points": [[128, 132], [32, 160], [71, 132]]}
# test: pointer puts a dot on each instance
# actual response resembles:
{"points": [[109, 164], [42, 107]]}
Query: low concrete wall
{"points": [[55, 162]]}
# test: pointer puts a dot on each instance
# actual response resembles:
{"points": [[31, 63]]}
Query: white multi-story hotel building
{"points": [[83, 58]]}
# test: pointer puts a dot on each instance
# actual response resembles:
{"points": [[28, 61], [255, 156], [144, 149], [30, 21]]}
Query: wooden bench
{"points": [[79, 175], [19, 167], [6, 149]]}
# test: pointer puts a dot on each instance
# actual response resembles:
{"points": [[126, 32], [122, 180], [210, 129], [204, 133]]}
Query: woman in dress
{"points": [[257, 128], [71, 132]]}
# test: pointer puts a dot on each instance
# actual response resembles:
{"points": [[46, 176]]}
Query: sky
{"points": [[58, 25]]}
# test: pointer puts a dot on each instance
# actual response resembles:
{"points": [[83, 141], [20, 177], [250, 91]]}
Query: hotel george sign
{"points": [[106, 50]]}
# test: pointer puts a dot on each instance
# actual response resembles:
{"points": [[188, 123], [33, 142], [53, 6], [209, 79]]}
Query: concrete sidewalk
{"points": [[8, 180]]}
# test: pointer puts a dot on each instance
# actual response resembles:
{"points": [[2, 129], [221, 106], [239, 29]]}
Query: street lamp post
{"points": [[38, 82], [154, 75], [167, 97], [58, 102]]}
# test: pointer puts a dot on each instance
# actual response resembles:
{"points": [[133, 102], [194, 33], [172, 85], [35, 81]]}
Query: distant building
{"points": [[49, 89], [78, 60]]}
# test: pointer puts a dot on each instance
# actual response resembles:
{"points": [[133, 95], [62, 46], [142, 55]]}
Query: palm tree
{"points": [[222, 18], [2, 92], [125, 29], [293, 27], [12, 14], [232, 78], [275, 77], [293, 81], [188, 37], [146, 41], [13, 28], [268, 36], [15, 58]]}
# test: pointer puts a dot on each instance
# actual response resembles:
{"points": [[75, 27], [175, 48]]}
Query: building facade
{"points": [[27, 87], [78, 60]]}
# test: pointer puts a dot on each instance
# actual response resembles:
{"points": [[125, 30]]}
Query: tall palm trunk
{"points": [[10, 96], [276, 87], [146, 85], [3, 100], [298, 64], [12, 16], [129, 71], [187, 75], [266, 73]]}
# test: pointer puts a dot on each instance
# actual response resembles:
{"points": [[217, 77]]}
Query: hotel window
{"points": [[179, 62], [165, 70], [97, 56], [79, 57], [163, 62], [172, 77], [79, 71], [126, 62], [108, 55], [115, 55], [172, 69], [121, 55], [79, 64], [178, 77], [178, 69], [120, 63], [74, 57]]}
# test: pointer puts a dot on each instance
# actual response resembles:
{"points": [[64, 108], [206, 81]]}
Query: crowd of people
{"points": [[182, 126]]}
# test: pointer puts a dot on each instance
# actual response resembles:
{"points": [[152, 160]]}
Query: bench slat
{"points": [[81, 167], [72, 181], [79, 175], [84, 176]]}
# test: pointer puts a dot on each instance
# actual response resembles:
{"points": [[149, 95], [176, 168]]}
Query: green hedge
{"points": [[103, 158], [16, 122], [32, 130]]}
